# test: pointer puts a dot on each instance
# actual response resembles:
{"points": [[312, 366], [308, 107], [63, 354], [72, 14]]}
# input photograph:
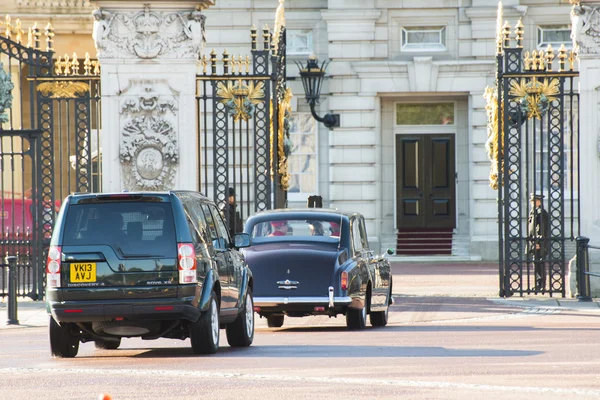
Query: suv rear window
{"points": [[132, 227]]}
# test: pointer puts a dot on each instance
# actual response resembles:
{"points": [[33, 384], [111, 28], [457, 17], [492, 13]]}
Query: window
{"points": [[425, 113], [302, 162], [299, 42], [424, 38], [554, 35]]}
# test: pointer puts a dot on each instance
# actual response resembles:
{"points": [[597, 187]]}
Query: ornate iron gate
{"points": [[533, 130], [243, 106], [49, 136]]}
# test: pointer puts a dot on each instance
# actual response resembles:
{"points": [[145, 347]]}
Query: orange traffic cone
{"points": [[105, 396]]}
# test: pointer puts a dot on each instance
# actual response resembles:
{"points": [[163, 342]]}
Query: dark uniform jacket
{"points": [[538, 231], [232, 218]]}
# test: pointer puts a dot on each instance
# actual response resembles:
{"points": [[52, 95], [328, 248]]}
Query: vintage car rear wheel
{"points": [[380, 318], [275, 321], [240, 333], [204, 334], [356, 319], [63, 343]]}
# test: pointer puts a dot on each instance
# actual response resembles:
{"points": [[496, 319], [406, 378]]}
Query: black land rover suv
{"points": [[149, 265]]}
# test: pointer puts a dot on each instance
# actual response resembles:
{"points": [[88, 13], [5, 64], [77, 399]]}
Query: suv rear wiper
{"points": [[132, 255]]}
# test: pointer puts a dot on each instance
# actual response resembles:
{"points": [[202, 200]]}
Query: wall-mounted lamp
{"points": [[312, 78]]}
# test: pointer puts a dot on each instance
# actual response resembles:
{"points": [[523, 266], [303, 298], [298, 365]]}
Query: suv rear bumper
{"points": [[136, 310]]}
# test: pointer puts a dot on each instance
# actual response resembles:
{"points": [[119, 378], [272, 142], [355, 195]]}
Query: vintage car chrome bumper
{"points": [[317, 300]]}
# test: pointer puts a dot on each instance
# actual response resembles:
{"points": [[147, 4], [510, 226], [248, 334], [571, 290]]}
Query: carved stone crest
{"points": [[148, 34], [149, 151], [6, 87], [585, 30]]}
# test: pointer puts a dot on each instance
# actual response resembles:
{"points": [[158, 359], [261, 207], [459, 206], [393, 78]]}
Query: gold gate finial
{"points": [[499, 18], [279, 24]]}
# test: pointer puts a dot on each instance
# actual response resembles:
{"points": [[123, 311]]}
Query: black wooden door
{"points": [[425, 187]]}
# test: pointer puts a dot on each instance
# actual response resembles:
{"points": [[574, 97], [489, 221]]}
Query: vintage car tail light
{"points": [[186, 262], [53, 267], [256, 309], [344, 281]]}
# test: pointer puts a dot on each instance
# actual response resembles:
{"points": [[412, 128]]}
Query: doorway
{"points": [[425, 182]]}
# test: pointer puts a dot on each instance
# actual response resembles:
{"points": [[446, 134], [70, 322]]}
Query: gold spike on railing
{"points": [[506, 35], [225, 62], [49, 32], [253, 36], [18, 31], [87, 64], [74, 65], [213, 62], [562, 56], [247, 63], [234, 64], [519, 31], [8, 31], [29, 38], [549, 57], [36, 36], [204, 63], [58, 66], [527, 61], [96, 65], [572, 57], [266, 38]]}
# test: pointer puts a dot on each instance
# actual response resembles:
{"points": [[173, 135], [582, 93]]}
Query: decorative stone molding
{"points": [[55, 4], [585, 32], [147, 34], [149, 151]]}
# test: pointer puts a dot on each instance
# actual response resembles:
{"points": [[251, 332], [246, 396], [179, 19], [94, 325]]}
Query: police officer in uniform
{"points": [[538, 230]]}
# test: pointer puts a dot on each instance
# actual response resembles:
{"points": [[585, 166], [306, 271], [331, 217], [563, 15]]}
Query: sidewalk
{"points": [[466, 279]]}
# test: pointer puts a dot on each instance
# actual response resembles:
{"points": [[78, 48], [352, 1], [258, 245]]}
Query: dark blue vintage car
{"points": [[316, 262]]}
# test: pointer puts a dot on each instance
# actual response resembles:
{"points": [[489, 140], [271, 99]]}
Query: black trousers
{"points": [[539, 269]]}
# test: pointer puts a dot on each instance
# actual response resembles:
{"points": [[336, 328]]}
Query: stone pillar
{"points": [[585, 20], [148, 52]]}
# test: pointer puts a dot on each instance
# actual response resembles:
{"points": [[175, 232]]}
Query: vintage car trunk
{"points": [[293, 269]]}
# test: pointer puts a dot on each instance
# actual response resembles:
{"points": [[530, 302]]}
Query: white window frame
{"points": [[302, 196], [310, 40], [542, 44], [423, 47]]}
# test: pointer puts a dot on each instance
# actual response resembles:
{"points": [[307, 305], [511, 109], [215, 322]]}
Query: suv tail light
{"points": [[186, 263], [344, 280], [53, 267]]}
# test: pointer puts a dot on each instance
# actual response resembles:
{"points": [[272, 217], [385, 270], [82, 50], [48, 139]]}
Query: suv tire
{"points": [[108, 343], [63, 342], [275, 321], [240, 333], [204, 334]]}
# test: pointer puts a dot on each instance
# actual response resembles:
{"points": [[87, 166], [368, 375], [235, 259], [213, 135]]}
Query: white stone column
{"points": [[585, 19], [148, 52]]}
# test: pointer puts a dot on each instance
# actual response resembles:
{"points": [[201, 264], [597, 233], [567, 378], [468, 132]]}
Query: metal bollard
{"points": [[583, 266], [12, 290]]}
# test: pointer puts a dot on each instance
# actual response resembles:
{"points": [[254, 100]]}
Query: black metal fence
{"points": [[537, 165]]}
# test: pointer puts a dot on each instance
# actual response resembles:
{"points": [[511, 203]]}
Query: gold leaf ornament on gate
{"points": [[534, 95], [241, 99], [63, 89]]}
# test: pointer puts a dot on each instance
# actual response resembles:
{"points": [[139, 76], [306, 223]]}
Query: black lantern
{"points": [[312, 78]]}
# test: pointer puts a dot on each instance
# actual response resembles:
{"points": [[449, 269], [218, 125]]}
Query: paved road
{"points": [[453, 342]]}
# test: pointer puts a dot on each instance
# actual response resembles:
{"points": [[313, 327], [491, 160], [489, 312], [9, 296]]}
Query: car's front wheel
{"points": [[356, 319], [240, 333], [64, 342], [275, 321], [107, 343], [204, 334]]}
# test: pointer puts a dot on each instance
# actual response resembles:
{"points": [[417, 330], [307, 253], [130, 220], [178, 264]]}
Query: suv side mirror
{"points": [[241, 240]]}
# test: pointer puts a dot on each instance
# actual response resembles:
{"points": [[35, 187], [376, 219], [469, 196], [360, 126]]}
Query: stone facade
{"points": [[371, 71]]}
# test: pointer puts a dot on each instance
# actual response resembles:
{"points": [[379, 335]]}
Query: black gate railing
{"points": [[49, 145], [243, 108], [533, 116]]}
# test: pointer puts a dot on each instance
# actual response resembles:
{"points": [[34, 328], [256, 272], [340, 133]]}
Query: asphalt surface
{"points": [[411, 280]]}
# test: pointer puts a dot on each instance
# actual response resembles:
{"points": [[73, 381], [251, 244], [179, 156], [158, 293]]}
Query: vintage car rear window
{"points": [[296, 228], [136, 228]]}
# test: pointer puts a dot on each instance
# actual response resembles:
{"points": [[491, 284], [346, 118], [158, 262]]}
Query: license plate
{"points": [[83, 272]]}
